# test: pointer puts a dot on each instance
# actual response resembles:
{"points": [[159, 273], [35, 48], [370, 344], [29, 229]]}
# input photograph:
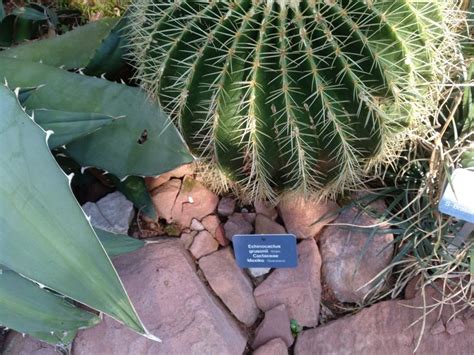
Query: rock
{"points": [[164, 198], [249, 216], [384, 328], [298, 288], [17, 344], [299, 215], [172, 302], [193, 201], [352, 258], [181, 171], [214, 226], [196, 225], [112, 213], [266, 209], [455, 326], [237, 224], [274, 347], [203, 244], [226, 206], [276, 324], [265, 225], [437, 328], [258, 271], [187, 238], [231, 284]]}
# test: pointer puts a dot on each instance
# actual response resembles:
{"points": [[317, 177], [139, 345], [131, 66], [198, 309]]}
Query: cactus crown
{"points": [[294, 94]]}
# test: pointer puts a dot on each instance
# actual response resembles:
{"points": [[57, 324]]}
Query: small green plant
{"points": [[295, 94]]}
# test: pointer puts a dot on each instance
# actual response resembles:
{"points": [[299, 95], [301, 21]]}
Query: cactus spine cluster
{"points": [[294, 94]]}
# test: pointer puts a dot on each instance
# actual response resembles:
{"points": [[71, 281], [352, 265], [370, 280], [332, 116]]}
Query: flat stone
{"points": [[203, 244], [193, 201], [274, 347], [276, 324], [164, 198], [17, 344], [237, 224], [258, 271], [231, 284], [385, 328], [181, 171], [351, 259], [214, 226], [226, 206], [455, 326], [249, 216], [437, 328], [299, 215], [298, 288], [173, 303], [266, 209], [112, 213], [265, 225]]}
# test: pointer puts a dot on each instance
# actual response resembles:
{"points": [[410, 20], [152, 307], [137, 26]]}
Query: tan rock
{"points": [[173, 303], [274, 347], [203, 244], [276, 324], [164, 198], [214, 226], [385, 328], [300, 215], [298, 288], [266, 209], [265, 225], [17, 344], [352, 258], [231, 284], [181, 171], [193, 201], [187, 238]]}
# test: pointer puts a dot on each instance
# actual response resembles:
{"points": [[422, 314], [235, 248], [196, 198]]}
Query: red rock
{"points": [[249, 216], [237, 224], [193, 201], [455, 326], [437, 328], [265, 225], [164, 198], [300, 215], [226, 206], [266, 209], [214, 226], [181, 171], [203, 244], [298, 288], [274, 347], [351, 259], [231, 284], [384, 328], [173, 303], [16, 344], [276, 324]]}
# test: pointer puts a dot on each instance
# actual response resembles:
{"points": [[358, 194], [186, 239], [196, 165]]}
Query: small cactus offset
{"points": [[294, 94]]}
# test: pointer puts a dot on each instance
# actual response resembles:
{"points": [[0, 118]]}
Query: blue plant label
{"points": [[458, 198], [265, 250]]}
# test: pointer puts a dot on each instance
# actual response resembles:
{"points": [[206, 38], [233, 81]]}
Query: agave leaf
{"points": [[6, 31], [117, 244], [135, 190], [144, 143], [74, 49], [44, 234], [109, 56], [68, 126], [2, 11], [27, 308], [30, 13], [25, 93]]}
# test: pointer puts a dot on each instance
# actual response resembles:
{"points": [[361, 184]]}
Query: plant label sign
{"points": [[458, 198], [265, 250]]}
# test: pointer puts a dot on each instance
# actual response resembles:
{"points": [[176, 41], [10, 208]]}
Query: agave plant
{"points": [[294, 94]]}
